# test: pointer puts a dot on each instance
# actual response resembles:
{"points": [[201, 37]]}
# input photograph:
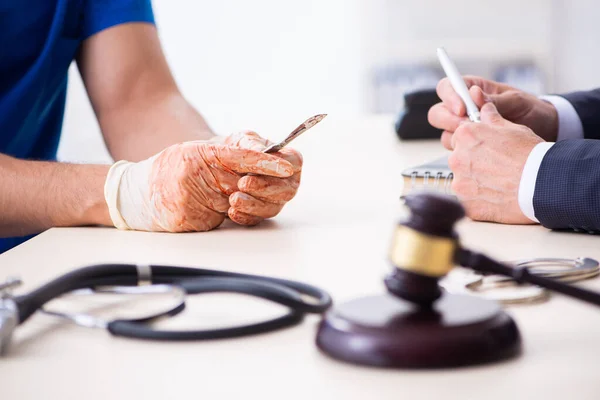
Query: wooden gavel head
{"points": [[424, 247], [409, 327]]}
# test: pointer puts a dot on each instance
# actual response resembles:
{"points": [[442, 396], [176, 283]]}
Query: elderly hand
{"points": [[487, 162], [193, 186], [513, 104]]}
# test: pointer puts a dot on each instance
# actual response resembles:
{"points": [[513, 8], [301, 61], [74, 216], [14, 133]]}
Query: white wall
{"points": [[560, 35], [242, 63], [577, 55]]}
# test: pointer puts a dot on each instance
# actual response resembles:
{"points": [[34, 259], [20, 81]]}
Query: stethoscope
{"points": [[173, 282]]}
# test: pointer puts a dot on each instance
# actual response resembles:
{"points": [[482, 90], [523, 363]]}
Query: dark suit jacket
{"points": [[567, 190]]}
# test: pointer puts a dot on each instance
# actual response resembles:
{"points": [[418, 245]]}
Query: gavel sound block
{"points": [[416, 325]]}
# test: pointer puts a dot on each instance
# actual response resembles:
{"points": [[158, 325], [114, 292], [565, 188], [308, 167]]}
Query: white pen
{"points": [[458, 83]]}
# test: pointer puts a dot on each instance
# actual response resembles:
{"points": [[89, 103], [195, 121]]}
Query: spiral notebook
{"points": [[432, 176]]}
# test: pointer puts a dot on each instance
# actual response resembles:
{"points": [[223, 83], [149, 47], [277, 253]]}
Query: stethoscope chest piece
{"points": [[9, 313]]}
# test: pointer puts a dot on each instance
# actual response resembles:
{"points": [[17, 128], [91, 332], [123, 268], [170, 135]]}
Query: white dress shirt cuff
{"points": [[529, 179], [569, 123]]}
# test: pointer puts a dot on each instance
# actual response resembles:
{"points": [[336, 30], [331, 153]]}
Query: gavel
{"points": [[418, 325], [426, 247]]}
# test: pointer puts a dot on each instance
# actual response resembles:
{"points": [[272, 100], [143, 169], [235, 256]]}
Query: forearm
{"points": [[35, 196], [134, 95], [145, 126]]}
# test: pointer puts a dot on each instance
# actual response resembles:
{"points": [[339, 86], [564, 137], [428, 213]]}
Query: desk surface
{"points": [[335, 234]]}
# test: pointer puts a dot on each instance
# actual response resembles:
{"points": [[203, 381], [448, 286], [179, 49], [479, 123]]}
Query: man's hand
{"points": [[261, 197], [193, 186], [514, 105], [487, 162]]}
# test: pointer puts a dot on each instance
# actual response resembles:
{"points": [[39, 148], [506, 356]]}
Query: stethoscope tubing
{"points": [[194, 281], [265, 290]]}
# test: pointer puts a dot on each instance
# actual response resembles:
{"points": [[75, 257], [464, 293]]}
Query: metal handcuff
{"points": [[507, 291], [173, 284]]}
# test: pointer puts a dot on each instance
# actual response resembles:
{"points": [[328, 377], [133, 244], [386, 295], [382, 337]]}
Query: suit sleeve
{"points": [[587, 105], [567, 189]]}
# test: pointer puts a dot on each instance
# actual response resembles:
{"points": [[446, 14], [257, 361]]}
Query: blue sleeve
{"points": [[567, 189], [587, 105], [102, 14]]}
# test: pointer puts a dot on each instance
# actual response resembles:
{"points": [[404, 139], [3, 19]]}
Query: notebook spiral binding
{"points": [[435, 175], [437, 178]]}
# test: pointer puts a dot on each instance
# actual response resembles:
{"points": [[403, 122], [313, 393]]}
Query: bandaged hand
{"points": [[260, 197], [193, 186]]}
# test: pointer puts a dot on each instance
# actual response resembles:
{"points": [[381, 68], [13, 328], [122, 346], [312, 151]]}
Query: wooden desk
{"points": [[334, 234]]}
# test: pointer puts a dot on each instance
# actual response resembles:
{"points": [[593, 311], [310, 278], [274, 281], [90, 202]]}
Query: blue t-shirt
{"points": [[38, 42]]}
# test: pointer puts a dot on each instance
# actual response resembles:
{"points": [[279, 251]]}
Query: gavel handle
{"points": [[482, 263]]}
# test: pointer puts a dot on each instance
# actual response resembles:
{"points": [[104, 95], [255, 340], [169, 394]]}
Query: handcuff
{"points": [[174, 282], [507, 291]]}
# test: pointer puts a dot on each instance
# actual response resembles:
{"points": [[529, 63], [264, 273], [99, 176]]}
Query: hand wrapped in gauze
{"points": [[193, 186]]}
